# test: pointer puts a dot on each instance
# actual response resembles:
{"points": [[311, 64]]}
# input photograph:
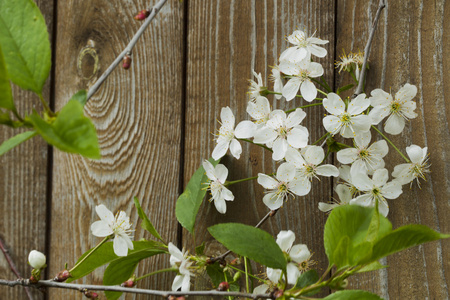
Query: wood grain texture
{"points": [[23, 186], [226, 40], [136, 113], [409, 46]]}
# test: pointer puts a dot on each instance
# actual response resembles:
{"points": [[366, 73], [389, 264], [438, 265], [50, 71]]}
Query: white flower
{"points": [[277, 81], [254, 90], [301, 73], [405, 173], [280, 188], [304, 47], [281, 132], [297, 255], [399, 109], [226, 137], [36, 259], [180, 260], [344, 195], [363, 158], [376, 188], [119, 226], [349, 122], [219, 192], [307, 165], [259, 110]]}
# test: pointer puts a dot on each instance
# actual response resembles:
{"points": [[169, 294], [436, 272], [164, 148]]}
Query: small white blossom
{"points": [[348, 121], [259, 110], [36, 259], [255, 88], [301, 73], [119, 226], [277, 81], [219, 192], [363, 158], [406, 173], [344, 195], [282, 186], [303, 47], [399, 109], [228, 134], [180, 260], [281, 132], [376, 188]]}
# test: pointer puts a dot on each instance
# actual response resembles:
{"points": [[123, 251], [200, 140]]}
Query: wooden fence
{"points": [[155, 121]]}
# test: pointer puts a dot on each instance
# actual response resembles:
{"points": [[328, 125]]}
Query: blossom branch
{"points": [[127, 50], [13, 267], [359, 89], [91, 287]]}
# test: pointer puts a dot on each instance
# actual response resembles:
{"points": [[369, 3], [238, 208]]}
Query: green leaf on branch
{"points": [[341, 253], [70, 132], [121, 269], [146, 224], [80, 96], [352, 295], [5, 119], [105, 254], [344, 88], [190, 200], [25, 43], [251, 242], [6, 98], [372, 267], [16, 140], [403, 238], [306, 279]]}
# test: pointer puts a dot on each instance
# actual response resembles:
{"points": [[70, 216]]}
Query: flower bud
{"points": [[223, 286], [171, 298], [36, 259], [126, 62], [142, 15], [90, 295], [33, 279], [62, 276], [181, 298], [236, 276], [278, 294], [130, 282]]}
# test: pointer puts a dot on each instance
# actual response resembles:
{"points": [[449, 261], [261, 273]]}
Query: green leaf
{"points": [[123, 268], [352, 295], [217, 275], [247, 240], [71, 131], [105, 254], [306, 279], [6, 98], [402, 238], [146, 224], [372, 267], [341, 253], [352, 221], [344, 88], [190, 200], [200, 250], [5, 119], [16, 140], [25, 43], [80, 96]]}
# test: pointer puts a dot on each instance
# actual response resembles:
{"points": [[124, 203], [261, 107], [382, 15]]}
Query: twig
{"points": [[367, 49], [13, 267], [92, 287], [222, 256], [127, 49]]}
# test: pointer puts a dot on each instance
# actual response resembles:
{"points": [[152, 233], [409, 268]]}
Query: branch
{"points": [[222, 256], [127, 50], [367, 50], [91, 287], [13, 267]]}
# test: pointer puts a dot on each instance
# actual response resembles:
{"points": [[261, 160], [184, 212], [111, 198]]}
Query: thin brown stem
{"points": [[359, 89], [13, 267]]}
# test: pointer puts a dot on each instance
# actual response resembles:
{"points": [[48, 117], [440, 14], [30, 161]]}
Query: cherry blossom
{"points": [[303, 47], [180, 260], [219, 192], [406, 173]]}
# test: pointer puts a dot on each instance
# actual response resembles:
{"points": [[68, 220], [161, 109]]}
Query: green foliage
{"points": [[190, 200], [146, 224], [352, 295], [80, 96], [344, 88], [105, 254], [71, 131], [123, 268], [306, 279], [251, 242], [16, 140], [357, 235], [200, 250], [6, 98], [25, 44]]}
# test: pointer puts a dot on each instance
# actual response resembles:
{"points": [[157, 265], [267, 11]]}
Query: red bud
{"points": [[62, 276], [126, 62], [181, 298], [129, 283], [142, 15], [90, 295], [33, 279], [277, 294], [223, 286]]}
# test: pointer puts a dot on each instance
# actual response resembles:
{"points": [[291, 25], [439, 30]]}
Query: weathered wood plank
{"points": [[23, 186], [136, 113], [409, 47], [227, 39]]}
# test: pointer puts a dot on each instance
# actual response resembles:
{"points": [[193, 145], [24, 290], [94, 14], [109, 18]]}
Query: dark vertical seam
{"points": [[49, 188], [183, 112]]}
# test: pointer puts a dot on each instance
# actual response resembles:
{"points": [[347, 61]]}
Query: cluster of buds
{"points": [[142, 15]]}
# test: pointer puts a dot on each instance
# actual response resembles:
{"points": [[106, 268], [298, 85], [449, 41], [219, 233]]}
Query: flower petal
{"points": [[272, 201], [265, 135], [299, 253], [220, 150], [314, 155], [394, 124], [332, 124], [363, 200], [295, 118], [391, 190], [347, 156], [334, 104], [380, 177], [209, 169], [279, 148], [292, 273], [358, 105], [105, 214], [286, 172], [120, 246], [267, 182], [416, 154], [245, 130], [327, 170], [227, 117], [220, 205], [298, 136], [406, 93], [235, 148], [308, 90], [221, 173], [300, 187], [285, 239], [101, 229], [344, 193], [290, 89], [294, 157]]}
